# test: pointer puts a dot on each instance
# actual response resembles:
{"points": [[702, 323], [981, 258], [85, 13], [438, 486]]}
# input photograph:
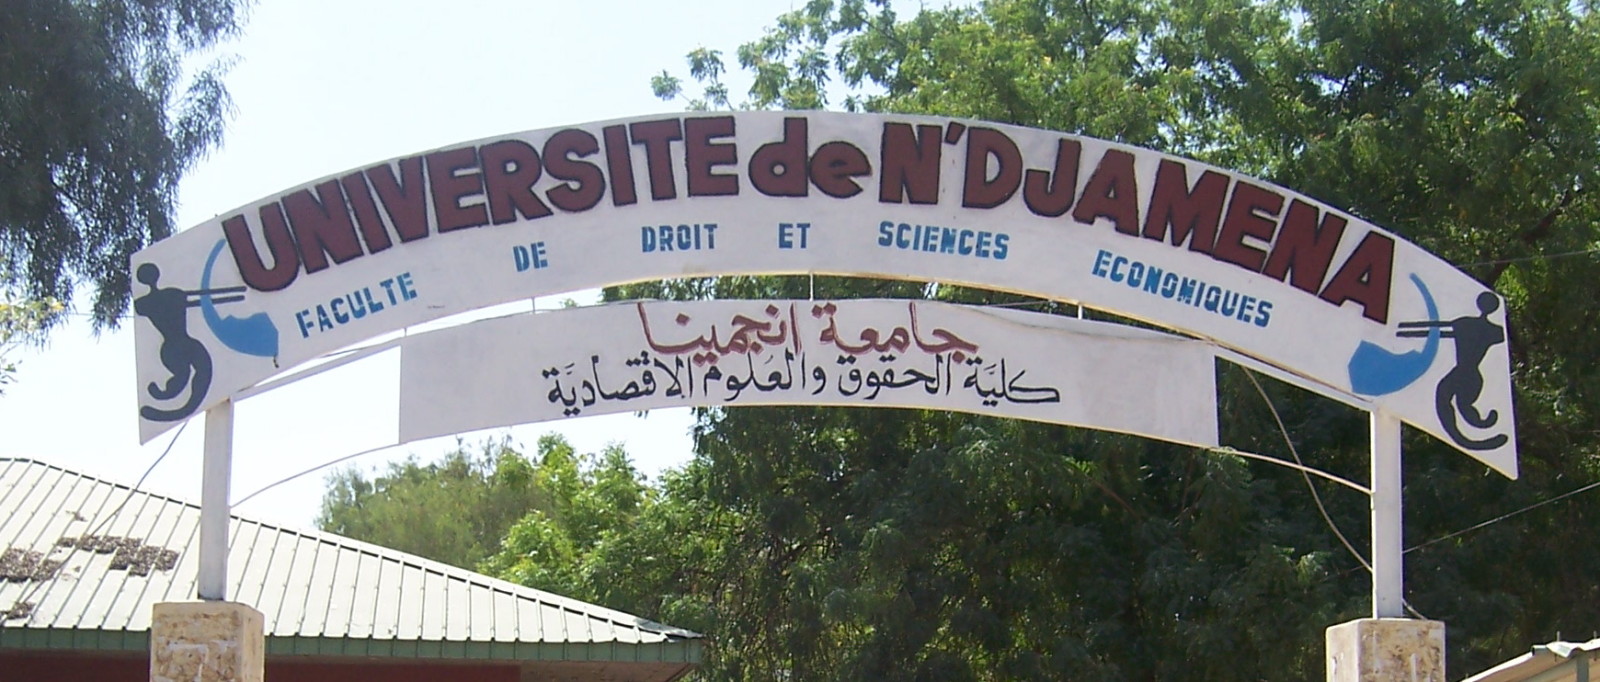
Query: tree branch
{"points": [[1539, 232]]}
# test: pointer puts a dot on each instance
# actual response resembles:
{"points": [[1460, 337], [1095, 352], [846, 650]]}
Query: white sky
{"points": [[322, 87]]}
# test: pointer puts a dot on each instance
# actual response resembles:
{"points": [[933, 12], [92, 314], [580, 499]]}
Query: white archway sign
{"points": [[1324, 298]]}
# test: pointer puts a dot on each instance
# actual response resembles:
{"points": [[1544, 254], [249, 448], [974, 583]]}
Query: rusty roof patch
{"points": [[128, 554], [22, 565]]}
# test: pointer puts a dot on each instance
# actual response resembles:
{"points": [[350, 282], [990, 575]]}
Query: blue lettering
{"points": [[1101, 260], [1152, 280], [520, 256], [388, 288], [1169, 285], [1158, 281], [359, 303], [1116, 268], [1230, 303], [1188, 291], [1245, 308], [666, 239], [925, 238], [406, 292], [358, 307], [372, 304], [1263, 313], [539, 259]]}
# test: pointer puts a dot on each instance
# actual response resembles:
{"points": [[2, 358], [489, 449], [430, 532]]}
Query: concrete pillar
{"points": [[1386, 650], [210, 641]]}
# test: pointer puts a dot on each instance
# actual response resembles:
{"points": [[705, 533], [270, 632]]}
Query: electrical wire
{"points": [[1291, 465], [1316, 497], [1542, 256], [1305, 473], [316, 468], [1502, 517]]}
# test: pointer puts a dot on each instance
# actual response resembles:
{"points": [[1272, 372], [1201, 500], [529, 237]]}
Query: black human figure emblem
{"points": [[1457, 393], [186, 359]]}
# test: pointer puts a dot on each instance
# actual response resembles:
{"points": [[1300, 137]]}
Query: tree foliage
{"points": [[910, 545], [454, 511], [21, 322], [594, 499], [101, 113]]}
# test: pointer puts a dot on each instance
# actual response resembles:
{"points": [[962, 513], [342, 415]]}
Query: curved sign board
{"points": [[882, 353], [1265, 271]]}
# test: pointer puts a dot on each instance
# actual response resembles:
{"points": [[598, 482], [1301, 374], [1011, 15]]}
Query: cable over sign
{"points": [[867, 353], [1265, 271]]}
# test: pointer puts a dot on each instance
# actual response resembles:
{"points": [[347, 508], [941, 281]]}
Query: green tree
{"points": [[611, 538], [101, 113], [20, 323], [454, 511], [865, 544], [594, 501]]}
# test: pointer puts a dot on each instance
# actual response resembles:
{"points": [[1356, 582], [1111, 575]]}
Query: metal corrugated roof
{"points": [[83, 561], [1553, 662]]}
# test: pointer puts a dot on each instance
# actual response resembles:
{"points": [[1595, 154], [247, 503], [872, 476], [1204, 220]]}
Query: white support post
{"points": [[1387, 646], [216, 471], [1388, 579]]}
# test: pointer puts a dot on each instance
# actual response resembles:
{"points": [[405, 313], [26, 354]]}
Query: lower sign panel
{"points": [[864, 353]]}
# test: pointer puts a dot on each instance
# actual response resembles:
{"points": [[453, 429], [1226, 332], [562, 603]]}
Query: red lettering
{"points": [[585, 184], [620, 162], [833, 166], [373, 232], [285, 260], [777, 169], [980, 190], [656, 137], [402, 197], [1112, 193], [322, 226], [1050, 193], [510, 169], [1304, 249], [449, 188], [1364, 278], [1252, 212], [700, 156], [1191, 215], [910, 164]]}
